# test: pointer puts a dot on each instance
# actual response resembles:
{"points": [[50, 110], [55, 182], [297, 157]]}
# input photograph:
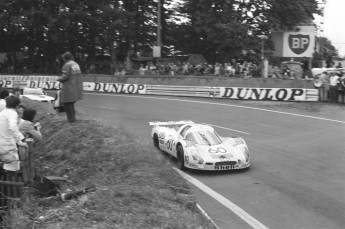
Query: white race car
{"points": [[198, 146], [37, 94]]}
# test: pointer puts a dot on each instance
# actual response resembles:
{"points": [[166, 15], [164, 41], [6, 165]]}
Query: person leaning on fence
{"points": [[71, 85], [29, 127], [4, 93], [10, 136]]}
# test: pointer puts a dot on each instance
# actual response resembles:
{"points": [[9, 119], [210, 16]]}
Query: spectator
{"points": [[341, 87], [217, 69], [142, 70], [28, 127], [323, 89], [333, 87], [20, 109], [286, 72], [4, 93], [10, 135], [17, 92], [71, 85], [276, 72], [305, 67]]}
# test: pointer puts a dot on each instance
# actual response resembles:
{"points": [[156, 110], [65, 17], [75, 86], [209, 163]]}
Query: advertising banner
{"points": [[115, 88], [96, 87], [26, 78], [300, 42], [269, 94], [6, 83], [240, 93]]}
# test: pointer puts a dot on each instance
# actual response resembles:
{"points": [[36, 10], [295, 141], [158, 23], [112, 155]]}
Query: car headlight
{"points": [[245, 152], [196, 156], [238, 141]]}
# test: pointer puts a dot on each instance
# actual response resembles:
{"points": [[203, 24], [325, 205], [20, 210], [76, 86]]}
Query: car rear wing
{"points": [[171, 123]]}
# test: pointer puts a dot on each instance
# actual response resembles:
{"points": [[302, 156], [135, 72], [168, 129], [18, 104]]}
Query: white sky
{"points": [[334, 24]]}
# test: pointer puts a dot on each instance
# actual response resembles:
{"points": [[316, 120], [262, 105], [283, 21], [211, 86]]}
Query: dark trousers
{"points": [[333, 94], [70, 111]]}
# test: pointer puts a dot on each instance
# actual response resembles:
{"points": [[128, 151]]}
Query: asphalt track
{"points": [[296, 179]]}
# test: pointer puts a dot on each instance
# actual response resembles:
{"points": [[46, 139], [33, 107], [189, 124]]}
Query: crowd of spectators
{"points": [[332, 87], [17, 126], [231, 69]]}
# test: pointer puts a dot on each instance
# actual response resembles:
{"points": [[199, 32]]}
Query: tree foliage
{"points": [[219, 29]]}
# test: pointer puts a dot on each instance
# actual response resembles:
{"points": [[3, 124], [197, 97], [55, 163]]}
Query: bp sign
{"points": [[298, 43]]}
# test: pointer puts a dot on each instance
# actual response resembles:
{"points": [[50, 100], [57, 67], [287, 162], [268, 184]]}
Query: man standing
{"points": [[71, 85], [323, 89], [333, 87], [305, 67]]}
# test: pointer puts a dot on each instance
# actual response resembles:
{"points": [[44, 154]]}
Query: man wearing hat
{"points": [[71, 85]]}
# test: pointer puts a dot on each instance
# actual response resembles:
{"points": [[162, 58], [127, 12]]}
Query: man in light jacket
{"points": [[71, 85], [10, 136]]}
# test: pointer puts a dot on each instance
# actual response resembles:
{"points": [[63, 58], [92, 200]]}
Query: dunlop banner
{"points": [[115, 88], [48, 85], [273, 94], [241, 93], [96, 87], [6, 83]]}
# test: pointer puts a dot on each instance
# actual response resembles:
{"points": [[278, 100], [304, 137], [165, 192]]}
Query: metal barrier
{"points": [[14, 185]]}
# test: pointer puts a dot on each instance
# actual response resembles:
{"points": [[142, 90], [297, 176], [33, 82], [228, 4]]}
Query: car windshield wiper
{"points": [[204, 138]]}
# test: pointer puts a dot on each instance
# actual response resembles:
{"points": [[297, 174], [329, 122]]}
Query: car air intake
{"points": [[226, 163]]}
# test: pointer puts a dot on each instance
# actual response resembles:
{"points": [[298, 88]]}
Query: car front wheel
{"points": [[155, 141], [180, 158]]}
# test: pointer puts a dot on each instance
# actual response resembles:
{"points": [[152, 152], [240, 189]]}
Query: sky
{"points": [[334, 24]]}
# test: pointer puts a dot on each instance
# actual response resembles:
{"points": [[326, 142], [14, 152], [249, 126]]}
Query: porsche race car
{"points": [[37, 94], [198, 146]]}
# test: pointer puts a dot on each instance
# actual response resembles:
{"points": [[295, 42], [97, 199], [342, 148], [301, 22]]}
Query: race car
{"points": [[198, 146], [37, 94]]}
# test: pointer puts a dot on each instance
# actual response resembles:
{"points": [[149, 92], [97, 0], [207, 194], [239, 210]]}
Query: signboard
{"points": [[6, 83], [299, 42]]}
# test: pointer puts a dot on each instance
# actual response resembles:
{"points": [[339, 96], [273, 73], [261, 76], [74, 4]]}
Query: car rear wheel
{"points": [[155, 141], [180, 158]]}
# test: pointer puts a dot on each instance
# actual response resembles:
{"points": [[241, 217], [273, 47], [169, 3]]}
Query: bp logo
{"points": [[299, 43]]}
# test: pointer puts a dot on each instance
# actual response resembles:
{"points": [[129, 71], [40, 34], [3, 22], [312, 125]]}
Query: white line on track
{"points": [[225, 128], [254, 223], [220, 104]]}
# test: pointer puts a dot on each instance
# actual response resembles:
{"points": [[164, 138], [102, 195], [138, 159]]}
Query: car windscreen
{"points": [[204, 137]]}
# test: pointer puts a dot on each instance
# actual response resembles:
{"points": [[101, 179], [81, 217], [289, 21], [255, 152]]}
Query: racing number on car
{"points": [[170, 144], [217, 150]]}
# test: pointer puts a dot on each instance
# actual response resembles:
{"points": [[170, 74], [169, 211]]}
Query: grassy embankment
{"points": [[136, 186]]}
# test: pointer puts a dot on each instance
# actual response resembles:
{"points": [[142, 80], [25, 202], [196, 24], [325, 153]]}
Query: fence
{"points": [[14, 185]]}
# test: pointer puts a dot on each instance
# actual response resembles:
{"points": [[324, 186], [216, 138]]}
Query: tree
{"points": [[219, 29], [229, 27]]}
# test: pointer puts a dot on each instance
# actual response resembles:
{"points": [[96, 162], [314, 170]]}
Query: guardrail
{"points": [[224, 91]]}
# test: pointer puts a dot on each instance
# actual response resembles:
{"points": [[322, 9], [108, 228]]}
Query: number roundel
{"points": [[217, 150]]}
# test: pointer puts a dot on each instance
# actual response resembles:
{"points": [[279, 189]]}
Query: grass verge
{"points": [[136, 186]]}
